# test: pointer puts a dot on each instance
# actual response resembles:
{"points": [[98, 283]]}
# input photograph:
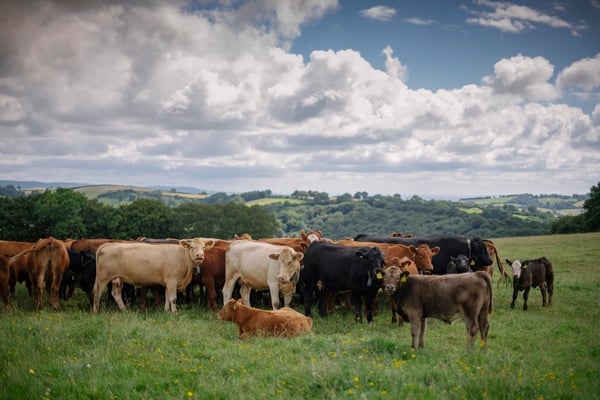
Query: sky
{"points": [[440, 99]]}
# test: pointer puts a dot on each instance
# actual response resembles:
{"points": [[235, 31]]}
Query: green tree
{"points": [[592, 209], [58, 214], [143, 217]]}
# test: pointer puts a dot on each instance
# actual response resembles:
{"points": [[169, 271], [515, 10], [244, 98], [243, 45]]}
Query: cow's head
{"points": [[196, 248], [289, 264], [391, 279], [422, 256], [517, 268], [311, 236], [458, 265], [230, 309], [479, 254], [373, 260]]}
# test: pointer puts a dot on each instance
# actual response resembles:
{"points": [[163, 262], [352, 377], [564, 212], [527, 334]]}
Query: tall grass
{"points": [[543, 353]]}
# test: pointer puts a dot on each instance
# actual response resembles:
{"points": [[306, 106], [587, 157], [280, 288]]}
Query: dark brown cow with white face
{"points": [[444, 297], [532, 273]]}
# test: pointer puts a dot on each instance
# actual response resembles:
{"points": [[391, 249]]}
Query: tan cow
{"points": [[284, 322], [49, 260], [261, 266], [421, 255], [143, 264]]}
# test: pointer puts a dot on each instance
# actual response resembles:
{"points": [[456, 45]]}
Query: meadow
{"points": [[543, 353]]}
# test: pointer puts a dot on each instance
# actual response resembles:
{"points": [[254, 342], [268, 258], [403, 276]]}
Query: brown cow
{"points": [[4, 274], [91, 245], [444, 297], [18, 269], [493, 252], [284, 322], [49, 261], [391, 276], [421, 255], [143, 264]]}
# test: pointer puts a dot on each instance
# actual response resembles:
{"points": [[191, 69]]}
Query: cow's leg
{"points": [[38, 290], [357, 303], [393, 308], [171, 296], [117, 293], [287, 299], [228, 288], [514, 298], [99, 287], [415, 330], [371, 303], [484, 325], [245, 293], [274, 291], [211, 291], [543, 289], [525, 297], [422, 333], [307, 297], [55, 286], [550, 290], [472, 326]]}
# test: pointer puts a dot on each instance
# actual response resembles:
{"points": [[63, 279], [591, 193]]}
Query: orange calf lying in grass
{"points": [[284, 322]]}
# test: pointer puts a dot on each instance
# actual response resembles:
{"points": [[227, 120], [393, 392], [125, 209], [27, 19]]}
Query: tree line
{"points": [[64, 213]]}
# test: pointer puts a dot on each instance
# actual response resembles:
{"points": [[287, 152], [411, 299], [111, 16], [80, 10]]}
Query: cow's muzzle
{"points": [[389, 290]]}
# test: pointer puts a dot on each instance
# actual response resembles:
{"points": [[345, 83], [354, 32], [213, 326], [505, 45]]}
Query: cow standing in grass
{"points": [[532, 273], [444, 297]]}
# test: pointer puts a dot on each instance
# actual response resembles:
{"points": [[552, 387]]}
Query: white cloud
{"points": [[515, 18], [380, 13], [583, 74], [523, 76], [419, 21], [185, 99]]}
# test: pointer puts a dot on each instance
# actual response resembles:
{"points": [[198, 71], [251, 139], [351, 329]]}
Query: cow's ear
{"points": [[209, 244], [472, 263], [525, 265], [360, 252], [403, 276], [508, 261], [274, 256], [405, 264], [184, 243], [412, 249], [435, 250], [379, 273], [299, 256]]}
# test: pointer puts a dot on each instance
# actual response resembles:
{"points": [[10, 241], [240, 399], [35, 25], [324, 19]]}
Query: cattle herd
{"points": [[442, 277]]}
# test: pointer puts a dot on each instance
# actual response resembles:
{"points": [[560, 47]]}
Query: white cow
{"points": [[259, 266], [143, 264]]}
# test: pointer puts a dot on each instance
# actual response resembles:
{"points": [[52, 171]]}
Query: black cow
{"points": [[458, 265], [76, 261], [450, 246], [342, 268], [532, 273]]}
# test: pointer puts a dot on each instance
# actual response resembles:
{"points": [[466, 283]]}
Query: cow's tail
{"points": [[549, 271], [488, 283], [503, 274]]}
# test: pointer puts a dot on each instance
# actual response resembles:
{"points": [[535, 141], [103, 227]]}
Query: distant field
{"points": [[543, 353], [93, 191], [272, 200]]}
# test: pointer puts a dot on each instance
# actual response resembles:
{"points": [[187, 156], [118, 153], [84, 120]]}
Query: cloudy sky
{"points": [[440, 99]]}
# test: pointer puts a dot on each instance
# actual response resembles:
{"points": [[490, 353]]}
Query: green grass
{"points": [[543, 353]]}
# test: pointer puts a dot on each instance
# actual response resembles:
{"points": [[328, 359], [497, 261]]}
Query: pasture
{"points": [[543, 353]]}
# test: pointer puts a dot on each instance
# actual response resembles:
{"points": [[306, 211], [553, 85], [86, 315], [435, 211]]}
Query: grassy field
{"points": [[543, 353]]}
